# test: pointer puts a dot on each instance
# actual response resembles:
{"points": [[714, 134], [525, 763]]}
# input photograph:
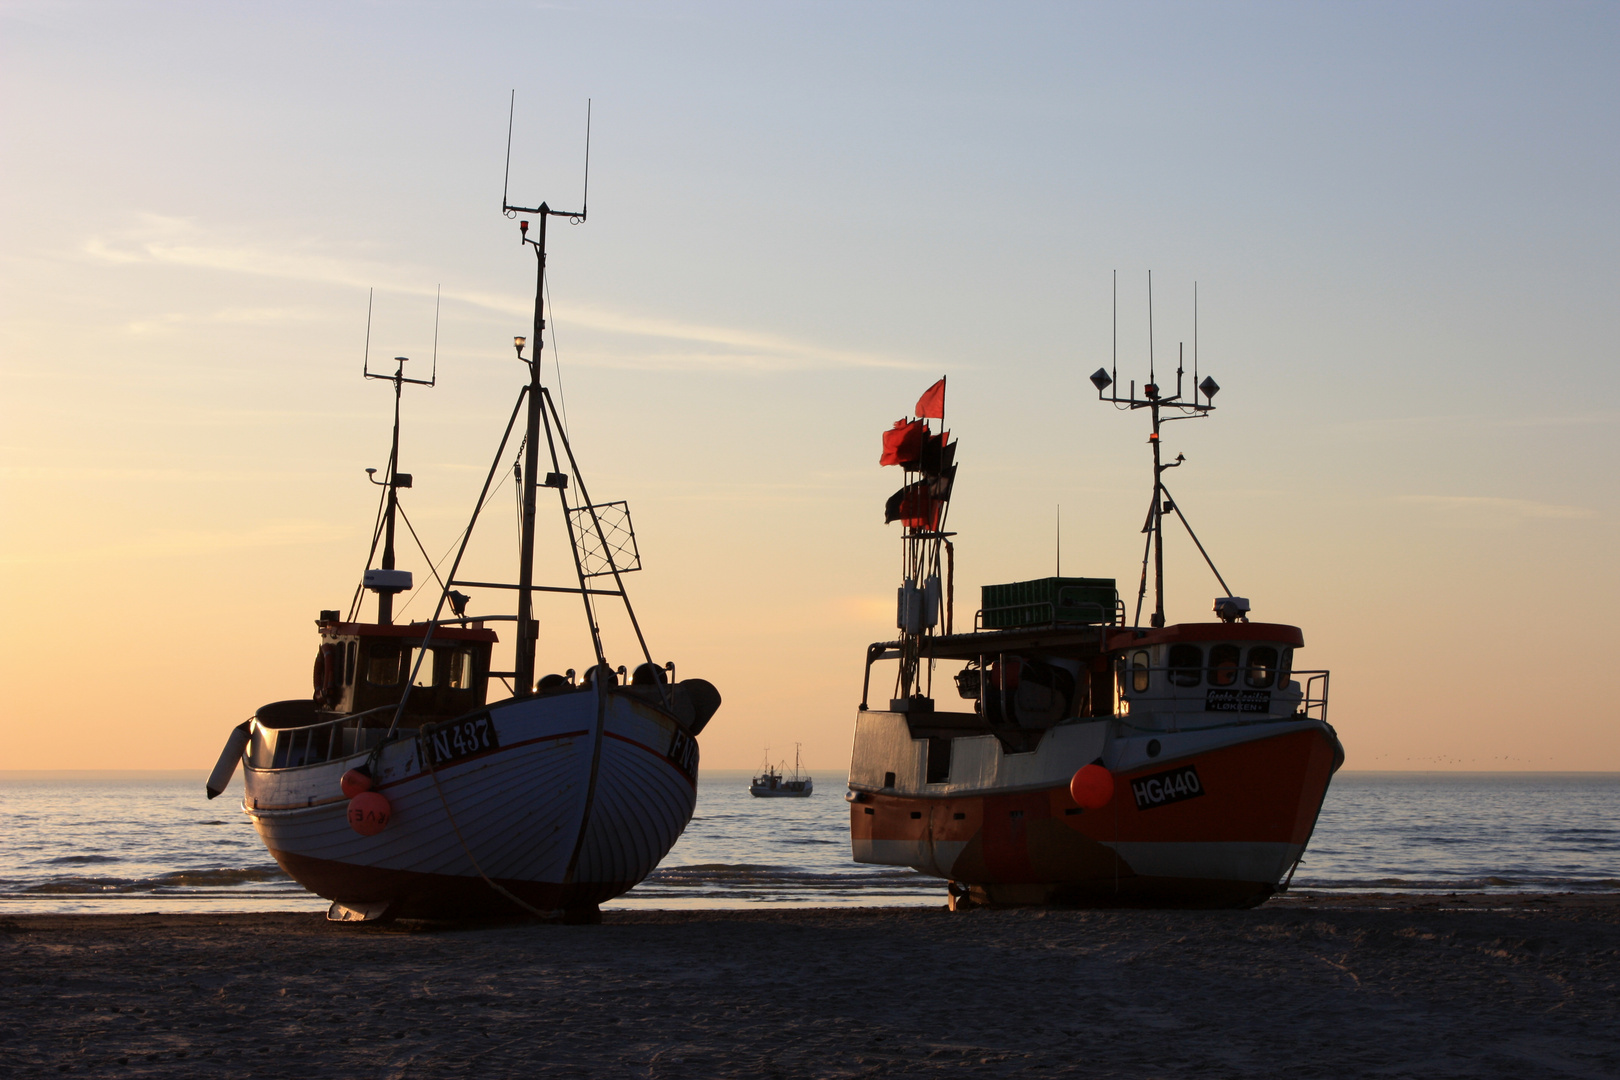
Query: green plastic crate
{"points": [[1048, 600]]}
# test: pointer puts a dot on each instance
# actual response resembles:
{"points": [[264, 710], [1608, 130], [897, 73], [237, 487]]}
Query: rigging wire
{"points": [[556, 356], [434, 565], [376, 534], [426, 557]]}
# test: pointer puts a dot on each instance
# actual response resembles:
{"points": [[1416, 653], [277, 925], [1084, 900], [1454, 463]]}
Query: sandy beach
{"points": [[1359, 986]]}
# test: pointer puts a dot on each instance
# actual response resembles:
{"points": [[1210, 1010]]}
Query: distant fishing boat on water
{"points": [[771, 784]]}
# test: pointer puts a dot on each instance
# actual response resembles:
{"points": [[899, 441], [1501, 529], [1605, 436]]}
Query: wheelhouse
{"points": [[362, 666], [1196, 674]]}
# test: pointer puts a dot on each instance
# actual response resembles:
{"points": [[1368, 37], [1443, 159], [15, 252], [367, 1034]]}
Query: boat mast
{"points": [[385, 597], [1161, 408], [523, 667], [523, 677], [393, 480]]}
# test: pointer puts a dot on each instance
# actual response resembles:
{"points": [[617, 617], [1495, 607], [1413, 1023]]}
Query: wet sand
{"points": [[1383, 986]]}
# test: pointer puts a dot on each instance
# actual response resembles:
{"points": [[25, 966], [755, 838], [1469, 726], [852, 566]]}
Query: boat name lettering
{"points": [[462, 738], [1239, 701], [1162, 789], [683, 751]]}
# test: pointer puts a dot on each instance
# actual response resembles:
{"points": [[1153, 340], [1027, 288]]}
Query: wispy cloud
{"points": [[226, 316], [168, 543], [178, 242], [1497, 508]]}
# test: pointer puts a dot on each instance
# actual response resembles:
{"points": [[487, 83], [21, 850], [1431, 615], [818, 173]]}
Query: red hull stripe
{"points": [[486, 753], [661, 757]]}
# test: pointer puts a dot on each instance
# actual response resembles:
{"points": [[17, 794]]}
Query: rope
{"points": [[444, 801]]}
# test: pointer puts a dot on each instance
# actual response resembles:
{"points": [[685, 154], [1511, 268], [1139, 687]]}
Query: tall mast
{"points": [[385, 597], [1161, 408], [1158, 512], [393, 480], [523, 669]]}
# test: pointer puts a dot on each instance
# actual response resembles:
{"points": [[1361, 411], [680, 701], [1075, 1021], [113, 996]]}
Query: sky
{"points": [[1400, 219]]}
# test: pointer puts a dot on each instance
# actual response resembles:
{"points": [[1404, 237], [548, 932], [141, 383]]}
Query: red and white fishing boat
{"points": [[398, 789], [1094, 761]]}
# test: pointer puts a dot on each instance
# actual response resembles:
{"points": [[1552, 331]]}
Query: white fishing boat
{"points": [[773, 784], [398, 789]]}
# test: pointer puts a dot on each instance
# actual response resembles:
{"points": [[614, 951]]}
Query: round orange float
{"points": [[369, 812], [1092, 786], [354, 782]]}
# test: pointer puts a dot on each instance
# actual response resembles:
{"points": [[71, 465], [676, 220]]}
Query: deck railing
{"points": [[1164, 691], [315, 744]]}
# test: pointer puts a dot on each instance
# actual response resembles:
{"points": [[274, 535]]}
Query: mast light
{"points": [[518, 343]]}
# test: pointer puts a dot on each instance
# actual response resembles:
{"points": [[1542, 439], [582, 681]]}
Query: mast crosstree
{"points": [[1162, 408]]}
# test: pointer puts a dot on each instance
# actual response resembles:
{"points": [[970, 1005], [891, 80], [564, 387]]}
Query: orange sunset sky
{"points": [[1400, 219]]}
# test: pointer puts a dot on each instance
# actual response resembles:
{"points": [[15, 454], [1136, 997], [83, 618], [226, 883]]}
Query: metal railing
{"points": [[1163, 688], [314, 744]]}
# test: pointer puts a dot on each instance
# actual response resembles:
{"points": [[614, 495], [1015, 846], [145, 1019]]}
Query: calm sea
{"points": [[151, 842]]}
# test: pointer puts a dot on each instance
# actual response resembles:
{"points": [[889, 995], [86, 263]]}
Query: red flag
{"points": [[903, 443], [932, 403], [914, 506]]}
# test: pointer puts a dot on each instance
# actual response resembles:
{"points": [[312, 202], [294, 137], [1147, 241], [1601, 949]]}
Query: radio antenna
{"points": [[1195, 341], [365, 363], [398, 377], [506, 180], [1116, 326], [1152, 377], [437, 291], [585, 200], [544, 209]]}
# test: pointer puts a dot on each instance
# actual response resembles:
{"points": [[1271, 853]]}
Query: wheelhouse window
{"points": [[1139, 671], [1285, 670], [460, 674], [1186, 665], [349, 651], [424, 674], [1262, 670], [382, 665], [1223, 665]]}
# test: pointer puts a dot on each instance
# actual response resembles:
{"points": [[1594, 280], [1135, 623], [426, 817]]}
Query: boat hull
{"points": [[760, 791], [583, 795], [1208, 819]]}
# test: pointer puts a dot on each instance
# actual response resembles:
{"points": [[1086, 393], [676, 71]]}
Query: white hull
{"points": [[581, 800]]}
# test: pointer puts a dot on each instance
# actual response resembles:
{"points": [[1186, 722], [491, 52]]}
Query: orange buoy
{"points": [[369, 812], [354, 782], [1092, 786]]}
